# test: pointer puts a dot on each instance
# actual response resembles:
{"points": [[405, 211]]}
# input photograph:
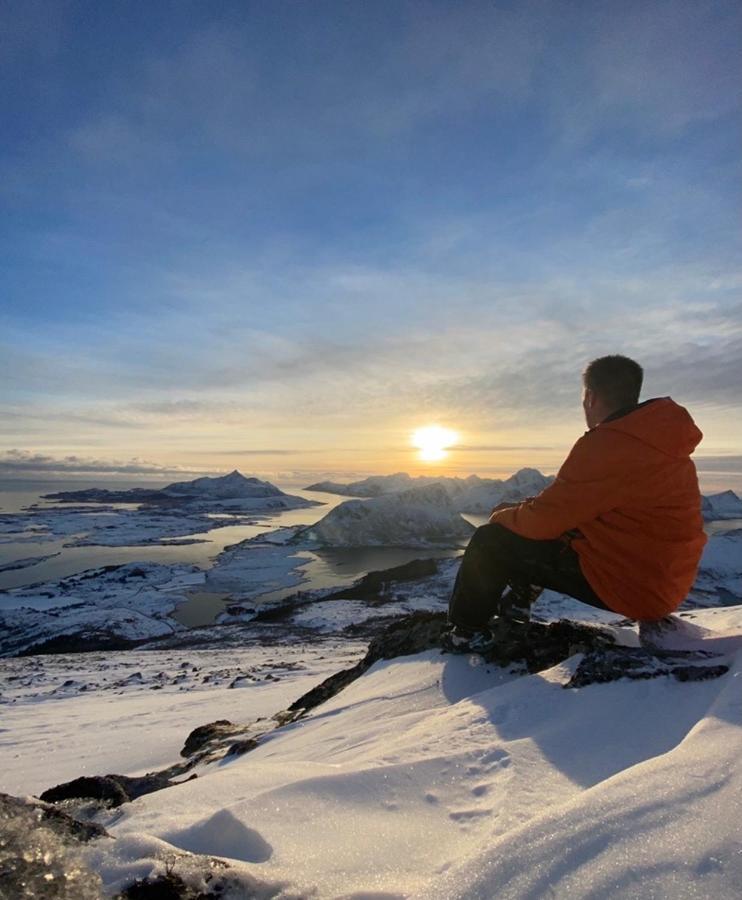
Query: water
{"points": [[324, 568], [76, 559]]}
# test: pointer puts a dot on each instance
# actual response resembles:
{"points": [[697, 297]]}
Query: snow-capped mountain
{"points": [[419, 517], [226, 487], [469, 495]]}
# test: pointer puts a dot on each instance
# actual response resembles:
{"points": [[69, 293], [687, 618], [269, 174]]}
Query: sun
{"points": [[432, 441]]}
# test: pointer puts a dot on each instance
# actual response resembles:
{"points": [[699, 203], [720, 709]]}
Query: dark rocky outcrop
{"points": [[637, 663], [204, 735], [110, 789], [40, 853], [535, 646], [240, 747], [164, 887], [82, 642]]}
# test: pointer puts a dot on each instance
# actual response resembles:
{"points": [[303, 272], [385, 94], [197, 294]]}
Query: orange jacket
{"points": [[631, 489]]}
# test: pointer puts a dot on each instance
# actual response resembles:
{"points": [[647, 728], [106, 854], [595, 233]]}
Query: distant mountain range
{"points": [[468, 495], [477, 495]]}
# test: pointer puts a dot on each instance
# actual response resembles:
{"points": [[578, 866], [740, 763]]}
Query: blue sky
{"points": [[283, 235]]}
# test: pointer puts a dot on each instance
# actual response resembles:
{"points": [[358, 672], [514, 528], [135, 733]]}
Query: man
{"points": [[620, 528]]}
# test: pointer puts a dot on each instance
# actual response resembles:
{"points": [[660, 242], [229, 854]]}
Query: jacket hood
{"points": [[661, 423]]}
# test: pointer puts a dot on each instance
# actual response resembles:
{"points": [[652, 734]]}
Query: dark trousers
{"points": [[497, 558]]}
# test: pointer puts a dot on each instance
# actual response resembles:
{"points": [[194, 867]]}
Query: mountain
{"points": [[374, 486], [234, 491], [226, 487], [469, 495], [417, 517], [726, 505]]}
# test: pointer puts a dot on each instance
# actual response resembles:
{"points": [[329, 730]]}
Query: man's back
{"points": [[631, 489]]}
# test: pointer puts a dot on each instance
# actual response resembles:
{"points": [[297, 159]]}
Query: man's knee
{"points": [[491, 538]]}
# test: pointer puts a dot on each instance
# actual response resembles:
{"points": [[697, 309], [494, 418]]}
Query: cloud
{"points": [[15, 463], [722, 465], [495, 448], [265, 452]]}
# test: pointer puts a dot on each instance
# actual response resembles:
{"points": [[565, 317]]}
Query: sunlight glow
{"points": [[432, 442]]}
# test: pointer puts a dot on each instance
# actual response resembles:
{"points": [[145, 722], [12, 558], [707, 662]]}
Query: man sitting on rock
{"points": [[620, 528]]}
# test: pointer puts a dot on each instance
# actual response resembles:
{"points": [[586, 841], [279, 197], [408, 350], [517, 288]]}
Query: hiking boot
{"points": [[460, 639], [515, 605]]}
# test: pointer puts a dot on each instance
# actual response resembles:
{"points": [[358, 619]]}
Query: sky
{"points": [[281, 237]]}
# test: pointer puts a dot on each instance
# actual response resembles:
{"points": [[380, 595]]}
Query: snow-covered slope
{"points": [[420, 517], [469, 495], [440, 777]]}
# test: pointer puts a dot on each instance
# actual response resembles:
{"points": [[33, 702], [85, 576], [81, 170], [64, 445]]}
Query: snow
{"points": [[130, 602], [130, 712], [438, 776], [431, 776], [109, 527], [419, 517]]}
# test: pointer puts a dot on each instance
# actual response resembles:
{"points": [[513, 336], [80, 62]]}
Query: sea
{"points": [[324, 568]]}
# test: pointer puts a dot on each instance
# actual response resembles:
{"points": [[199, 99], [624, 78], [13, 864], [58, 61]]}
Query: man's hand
{"points": [[500, 506], [508, 504]]}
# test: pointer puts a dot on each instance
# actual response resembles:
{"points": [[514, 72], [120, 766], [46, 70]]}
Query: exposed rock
{"points": [[200, 737], [111, 789], [240, 747], [82, 642], [636, 663], [50, 817], [164, 887], [535, 646], [210, 878], [40, 855]]}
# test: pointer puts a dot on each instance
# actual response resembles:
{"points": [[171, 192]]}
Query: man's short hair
{"points": [[617, 380]]}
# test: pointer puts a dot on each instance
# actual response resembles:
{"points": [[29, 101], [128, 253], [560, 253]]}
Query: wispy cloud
{"points": [[311, 229], [16, 463]]}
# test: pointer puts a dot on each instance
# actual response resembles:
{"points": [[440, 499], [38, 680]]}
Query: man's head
{"points": [[609, 384]]}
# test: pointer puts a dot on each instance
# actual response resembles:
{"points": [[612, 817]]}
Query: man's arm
{"points": [[587, 485]]}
